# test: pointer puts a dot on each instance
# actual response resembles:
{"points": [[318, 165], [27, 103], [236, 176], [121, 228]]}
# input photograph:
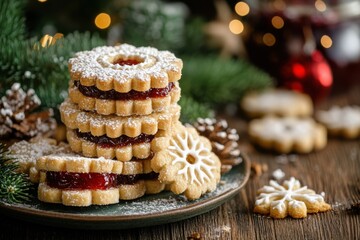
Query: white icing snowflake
{"points": [[194, 158], [289, 199], [187, 165]]}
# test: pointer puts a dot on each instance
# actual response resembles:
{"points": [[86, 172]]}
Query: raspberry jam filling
{"points": [[128, 62], [94, 92], [93, 181], [122, 141]]}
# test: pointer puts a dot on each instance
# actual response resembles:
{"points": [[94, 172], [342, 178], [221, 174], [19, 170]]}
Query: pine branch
{"points": [[218, 81], [191, 110], [5, 161], [14, 187], [45, 70], [12, 22]]}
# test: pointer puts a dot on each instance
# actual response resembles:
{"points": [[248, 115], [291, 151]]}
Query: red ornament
{"points": [[310, 74]]}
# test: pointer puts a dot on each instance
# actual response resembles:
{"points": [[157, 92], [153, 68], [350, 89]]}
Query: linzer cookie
{"points": [[289, 134], [124, 104], [188, 165], [78, 181], [122, 138], [278, 102], [124, 80]]}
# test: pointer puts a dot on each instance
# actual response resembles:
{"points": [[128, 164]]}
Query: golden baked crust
{"points": [[124, 108], [288, 199], [278, 102], [155, 69], [84, 198], [132, 191], [289, 134], [140, 151], [115, 126], [341, 121], [188, 165], [78, 164], [154, 186]]}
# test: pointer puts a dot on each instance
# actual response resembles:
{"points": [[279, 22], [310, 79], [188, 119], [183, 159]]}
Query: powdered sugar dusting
{"points": [[74, 118], [26, 153], [98, 64]]}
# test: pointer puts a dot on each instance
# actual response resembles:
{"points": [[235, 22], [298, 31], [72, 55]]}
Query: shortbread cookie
{"points": [[288, 134], [289, 199], [122, 148], [124, 104], [115, 126], [78, 181], [124, 68], [152, 183], [279, 102], [117, 137], [25, 153], [341, 121], [188, 165]]}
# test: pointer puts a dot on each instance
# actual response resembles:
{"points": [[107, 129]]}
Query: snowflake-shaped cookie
{"points": [[188, 165], [289, 199], [341, 121], [288, 134]]}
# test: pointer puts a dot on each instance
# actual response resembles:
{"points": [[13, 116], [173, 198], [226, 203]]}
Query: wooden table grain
{"points": [[334, 171]]}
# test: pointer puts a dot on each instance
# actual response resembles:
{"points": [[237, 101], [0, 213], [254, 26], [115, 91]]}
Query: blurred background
{"points": [[269, 32], [229, 47]]}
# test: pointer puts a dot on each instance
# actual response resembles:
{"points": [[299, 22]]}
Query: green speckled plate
{"points": [[149, 210]]}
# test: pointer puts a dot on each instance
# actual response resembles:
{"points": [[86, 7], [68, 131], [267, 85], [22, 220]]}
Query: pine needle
{"points": [[191, 110], [14, 187], [217, 81]]}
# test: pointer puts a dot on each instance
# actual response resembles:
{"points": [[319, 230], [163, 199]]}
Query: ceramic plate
{"points": [[149, 210]]}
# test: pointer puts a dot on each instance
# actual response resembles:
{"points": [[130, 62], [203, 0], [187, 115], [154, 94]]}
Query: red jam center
{"points": [[122, 141], [93, 181], [94, 92], [128, 62]]}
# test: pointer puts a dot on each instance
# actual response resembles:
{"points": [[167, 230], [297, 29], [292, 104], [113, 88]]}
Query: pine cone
{"points": [[223, 140], [17, 116]]}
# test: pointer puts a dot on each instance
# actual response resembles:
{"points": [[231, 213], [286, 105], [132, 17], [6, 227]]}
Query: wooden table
{"points": [[334, 170]]}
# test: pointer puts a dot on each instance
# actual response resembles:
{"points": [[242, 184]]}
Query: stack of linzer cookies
{"points": [[123, 128]]}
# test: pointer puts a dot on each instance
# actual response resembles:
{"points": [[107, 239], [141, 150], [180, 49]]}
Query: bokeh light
{"points": [[279, 5], [103, 20], [326, 41], [269, 39], [242, 8], [277, 22], [320, 5], [236, 26]]}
